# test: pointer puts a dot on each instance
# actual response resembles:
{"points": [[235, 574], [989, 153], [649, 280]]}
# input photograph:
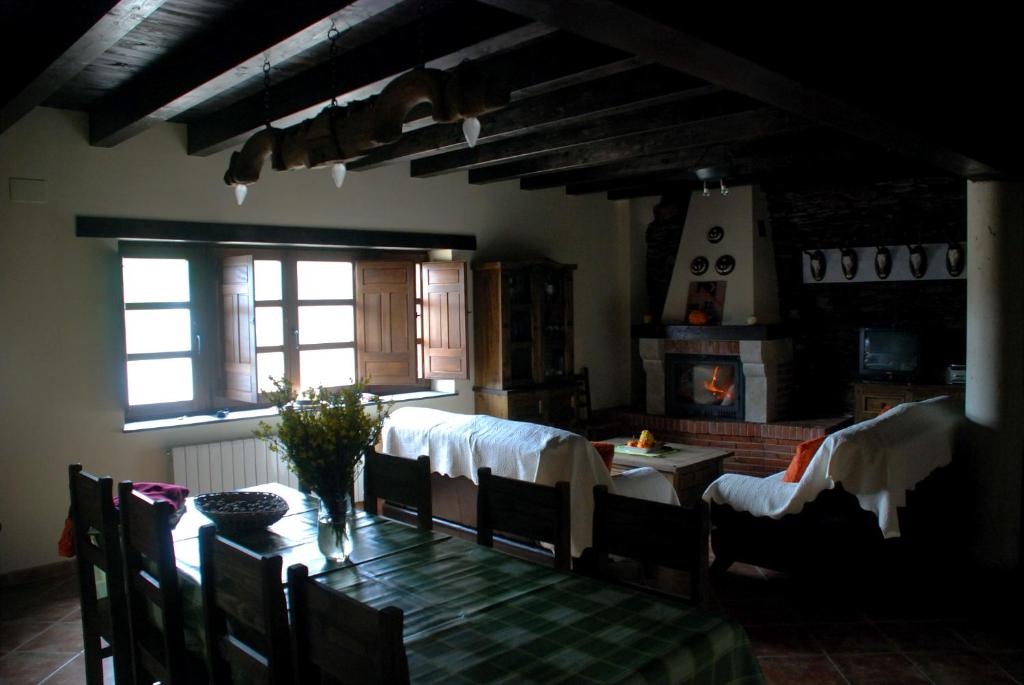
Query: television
{"points": [[888, 354]]}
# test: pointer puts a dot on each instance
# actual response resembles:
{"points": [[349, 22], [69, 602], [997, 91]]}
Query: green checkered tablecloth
{"points": [[475, 615]]}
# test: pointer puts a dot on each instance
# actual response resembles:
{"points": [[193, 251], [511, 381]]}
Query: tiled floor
{"points": [[914, 630], [837, 631], [41, 634]]}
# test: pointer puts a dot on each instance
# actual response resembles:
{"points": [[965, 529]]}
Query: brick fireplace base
{"points": [[761, 448]]}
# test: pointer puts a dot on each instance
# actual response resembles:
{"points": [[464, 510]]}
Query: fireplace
{"points": [[703, 385]]}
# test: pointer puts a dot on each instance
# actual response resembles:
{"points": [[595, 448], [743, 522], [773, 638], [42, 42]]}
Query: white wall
{"points": [[59, 294]]}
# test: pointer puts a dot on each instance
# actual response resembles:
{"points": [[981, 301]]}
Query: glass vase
{"points": [[334, 526]]}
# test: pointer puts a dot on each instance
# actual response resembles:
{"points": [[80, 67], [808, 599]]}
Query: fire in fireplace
{"points": [[703, 385]]}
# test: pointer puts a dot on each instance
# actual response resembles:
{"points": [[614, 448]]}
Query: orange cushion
{"points": [[804, 453], [607, 452]]}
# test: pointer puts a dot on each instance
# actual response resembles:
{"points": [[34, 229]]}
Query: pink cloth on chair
{"points": [[161, 492]]}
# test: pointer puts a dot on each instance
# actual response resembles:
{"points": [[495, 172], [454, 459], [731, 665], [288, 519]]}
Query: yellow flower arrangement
{"points": [[322, 434]]}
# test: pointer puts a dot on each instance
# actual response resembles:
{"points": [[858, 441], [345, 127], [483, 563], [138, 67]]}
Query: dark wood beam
{"points": [[258, 234], [616, 25], [619, 92], [729, 128], [605, 185], [650, 190], [457, 29], [103, 23], [690, 105], [226, 54]]}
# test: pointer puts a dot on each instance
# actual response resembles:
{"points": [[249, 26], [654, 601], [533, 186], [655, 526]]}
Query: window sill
{"points": [[265, 412]]}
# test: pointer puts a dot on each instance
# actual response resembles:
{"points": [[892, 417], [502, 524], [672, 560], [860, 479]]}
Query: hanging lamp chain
{"points": [[332, 37], [266, 88]]}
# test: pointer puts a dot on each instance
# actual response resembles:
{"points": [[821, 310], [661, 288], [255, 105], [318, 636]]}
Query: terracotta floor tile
{"points": [[781, 641], [879, 669], [991, 636], [73, 673], [1011, 663], [850, 638], [800, 670], [961, 668], [760, 612], [13, 634], [29, 668], [64, 636], [922, 636]]}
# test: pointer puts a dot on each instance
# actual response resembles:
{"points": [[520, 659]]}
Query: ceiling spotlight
{"points": [[721, 185]]}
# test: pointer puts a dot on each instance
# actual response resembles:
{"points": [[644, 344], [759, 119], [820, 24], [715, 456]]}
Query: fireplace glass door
{"points": [[704, 386]]}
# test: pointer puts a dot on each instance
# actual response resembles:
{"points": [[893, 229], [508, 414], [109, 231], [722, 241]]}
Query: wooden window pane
{"points": [[326, 324], [385, 322], [155, 280], [329, 368], [268, 279], [324, 280], [269, 326], [154, 381], [157, 330]]}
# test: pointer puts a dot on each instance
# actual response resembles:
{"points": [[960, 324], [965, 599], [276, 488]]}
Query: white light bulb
{"points": [[338, 171], [725, 191], [471, 129], [241, 191], [706, 193]]}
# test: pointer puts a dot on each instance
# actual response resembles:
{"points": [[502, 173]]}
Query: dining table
{"points": [[477, 615]]}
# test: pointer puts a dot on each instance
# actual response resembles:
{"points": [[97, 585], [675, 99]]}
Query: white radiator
{"points": [[229, 465]]}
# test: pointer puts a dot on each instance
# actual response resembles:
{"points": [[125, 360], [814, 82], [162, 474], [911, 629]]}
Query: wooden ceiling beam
{"points": [[702, 102], [103, 24], [533, 68], [614, 24], [730, 128], [226, 54], [466, 30]]}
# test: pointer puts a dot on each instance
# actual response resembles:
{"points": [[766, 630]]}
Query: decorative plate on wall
{"points": [[725, 264], [715, 234], [698, 266]]}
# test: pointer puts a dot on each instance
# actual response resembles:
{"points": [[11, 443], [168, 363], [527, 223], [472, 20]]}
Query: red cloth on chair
{"points": [[607, 452]]}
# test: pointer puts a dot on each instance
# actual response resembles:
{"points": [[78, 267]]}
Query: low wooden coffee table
{"points": [[689, 468]]}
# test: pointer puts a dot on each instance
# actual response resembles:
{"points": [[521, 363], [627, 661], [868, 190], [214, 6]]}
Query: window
{"points": [[206, 328]]}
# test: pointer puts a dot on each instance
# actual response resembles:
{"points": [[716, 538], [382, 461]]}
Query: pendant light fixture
{"points": [[471, 129], [721, 185], [241, 189], [706, 192], [338, 169]]}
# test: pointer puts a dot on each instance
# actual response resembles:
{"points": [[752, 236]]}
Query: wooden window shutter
{"points": [[445, 351], [237, 303], [386, 323]]}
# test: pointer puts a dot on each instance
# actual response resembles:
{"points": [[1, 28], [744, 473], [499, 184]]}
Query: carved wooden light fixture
{"points": [[341, 133]]}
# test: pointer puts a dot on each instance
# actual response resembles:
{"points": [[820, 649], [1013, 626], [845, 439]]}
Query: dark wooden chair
{"points": [[528, 510], [398, 480], [244, 611], [342, 640], [151, 579], [586, 424], [98, 546], [654, 534]]}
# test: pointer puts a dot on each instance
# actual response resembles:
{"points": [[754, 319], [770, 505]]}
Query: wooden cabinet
{"points": [[871, 398], [523, 323]]}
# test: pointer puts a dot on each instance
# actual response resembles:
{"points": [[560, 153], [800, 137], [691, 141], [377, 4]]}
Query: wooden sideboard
{"points": [[871, 398]]}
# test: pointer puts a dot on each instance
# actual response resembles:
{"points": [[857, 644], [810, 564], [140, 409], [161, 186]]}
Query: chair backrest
{"points": [[581, 400], [341, 638], [244, 611], [399, 480], [530, 510], [151, 579], [652, 533], [98, 545]]}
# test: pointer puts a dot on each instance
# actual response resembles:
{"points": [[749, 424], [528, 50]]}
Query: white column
{"points": [[995, 365]]}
